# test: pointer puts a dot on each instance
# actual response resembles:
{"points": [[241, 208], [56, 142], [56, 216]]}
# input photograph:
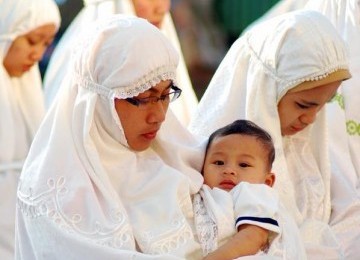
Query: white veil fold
{"points": [[82, 183], [21, 106], [93, 9], [258, 70], [344, 117]]}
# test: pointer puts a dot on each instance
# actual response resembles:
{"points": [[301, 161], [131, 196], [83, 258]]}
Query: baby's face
{"points": [[235, 158]]}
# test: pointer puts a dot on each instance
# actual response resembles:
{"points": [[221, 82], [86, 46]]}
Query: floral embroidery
{"points": [[339, 99], [206, 228], [46, 204], [353, 128], [176, 236]]}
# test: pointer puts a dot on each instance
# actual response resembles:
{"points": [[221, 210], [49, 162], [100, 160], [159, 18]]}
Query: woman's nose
{"points": [[309, 117], [157, 112]]}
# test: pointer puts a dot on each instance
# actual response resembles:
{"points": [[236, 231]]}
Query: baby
{"points": [[238, 159]]}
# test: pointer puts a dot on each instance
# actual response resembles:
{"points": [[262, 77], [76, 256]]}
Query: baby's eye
{"points": [[244, 165], [219, 163]]}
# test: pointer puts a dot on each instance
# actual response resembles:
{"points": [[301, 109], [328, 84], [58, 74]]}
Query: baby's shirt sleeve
{"points": [[256, 204]]}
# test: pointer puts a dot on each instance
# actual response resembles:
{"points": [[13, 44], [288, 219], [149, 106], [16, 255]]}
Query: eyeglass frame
{"points": [[152, 99]]}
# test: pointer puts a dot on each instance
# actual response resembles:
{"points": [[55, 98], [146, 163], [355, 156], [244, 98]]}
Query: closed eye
{"points": [[139, 101], [47, 44], [31, 41], [302, 106]]}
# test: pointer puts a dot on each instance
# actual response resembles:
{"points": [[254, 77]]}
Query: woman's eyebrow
{"points": [[154, 90]]}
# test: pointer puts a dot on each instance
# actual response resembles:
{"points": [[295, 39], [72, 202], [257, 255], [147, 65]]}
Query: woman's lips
{"points": [[297, 129], [26, 67], [150, 135]]}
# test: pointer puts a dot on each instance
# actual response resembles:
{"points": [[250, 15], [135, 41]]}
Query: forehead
{"points": [[237, 143], [44, 31], [325, 91]]}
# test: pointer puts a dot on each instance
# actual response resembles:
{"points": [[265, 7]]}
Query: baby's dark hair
{"points": [[246, 127]]}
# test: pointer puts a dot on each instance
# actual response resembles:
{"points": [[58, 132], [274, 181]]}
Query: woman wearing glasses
{"points": [[99, 175], [156, 12]]}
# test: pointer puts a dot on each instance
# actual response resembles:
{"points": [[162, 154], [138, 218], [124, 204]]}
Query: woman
{"points": [[100, 182], [280, 74], [156, 12], [26, 29], [345, 136]]}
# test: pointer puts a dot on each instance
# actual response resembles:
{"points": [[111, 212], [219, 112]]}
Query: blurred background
{"points": [[206, 30]]}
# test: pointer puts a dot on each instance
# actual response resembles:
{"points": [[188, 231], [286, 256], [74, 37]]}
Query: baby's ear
{"points": [[270, 179]]}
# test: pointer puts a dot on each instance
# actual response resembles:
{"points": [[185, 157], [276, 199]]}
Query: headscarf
{"points": [[82, 185], [21, 99], [21, 106], [281, 7], [344, 128], [94, 9], [344, 117], [259, 69]]}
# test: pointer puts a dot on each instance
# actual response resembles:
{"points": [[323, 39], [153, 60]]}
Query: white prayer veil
{"points": [[344, 127], [21, 106], [344, 116], [21, 99], [83, 193], [261, 66], [94, 9]]}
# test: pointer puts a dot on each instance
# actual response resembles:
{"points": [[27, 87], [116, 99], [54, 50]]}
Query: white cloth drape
{"points": [[253, 203], [59, 62], [21, 106], [83, 194], [344, 126], [258, 70], [344, 116]]}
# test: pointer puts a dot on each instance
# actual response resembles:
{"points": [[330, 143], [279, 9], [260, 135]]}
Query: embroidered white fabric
{"points": [[344, 127], [260, 67], [87, 195], [21, 106], [94, 9], [206, 228], [344, 118], [216, 211]]}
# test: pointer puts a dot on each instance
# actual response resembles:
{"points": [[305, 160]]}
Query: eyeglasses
{"points": [[167, 98]]}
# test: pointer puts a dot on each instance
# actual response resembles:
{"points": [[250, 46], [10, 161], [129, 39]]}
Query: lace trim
{"points": [[134, 89], [286, 84], [47, 204], [206, 228]]}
